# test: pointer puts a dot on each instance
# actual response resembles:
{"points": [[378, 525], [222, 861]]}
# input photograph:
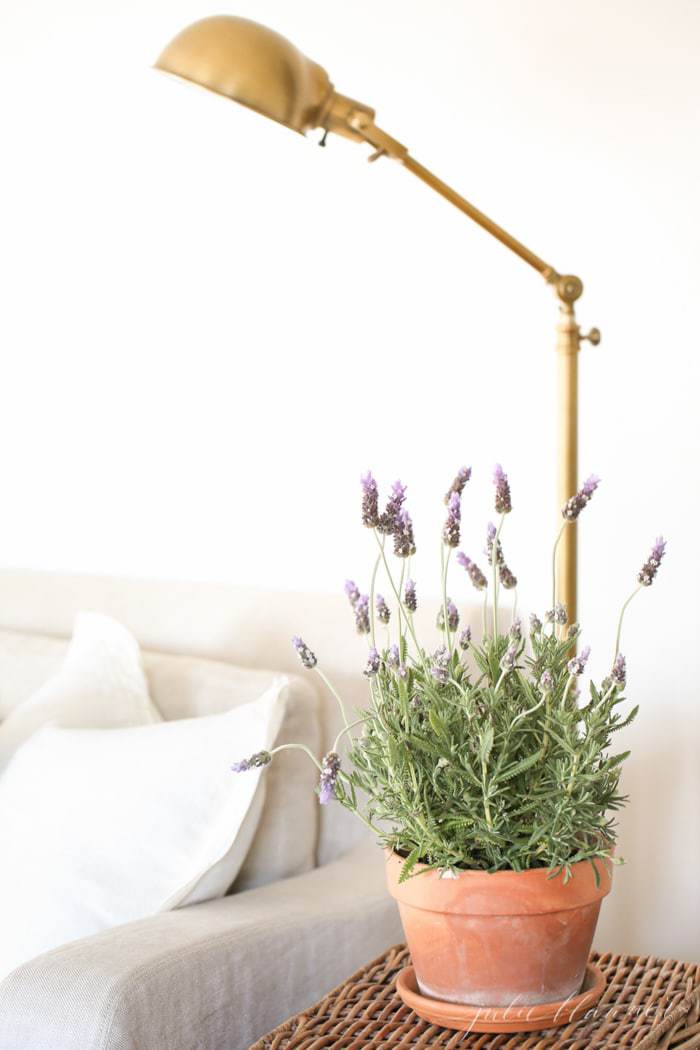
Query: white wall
{"points": [[210, 327]]}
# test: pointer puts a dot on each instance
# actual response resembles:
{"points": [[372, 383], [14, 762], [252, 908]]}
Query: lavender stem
{"points": [[371, 596], [554, 566], [622, 614], [297, 747], [400, 615], [494, 564], [334, 693], [444, 563], [570, 680], [342, 732], [398, 597]]}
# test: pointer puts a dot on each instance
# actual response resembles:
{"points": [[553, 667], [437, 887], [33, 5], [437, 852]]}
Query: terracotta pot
{"points": [[499, 939]]}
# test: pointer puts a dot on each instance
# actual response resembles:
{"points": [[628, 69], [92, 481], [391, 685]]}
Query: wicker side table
{"points": [[647, 1003]]}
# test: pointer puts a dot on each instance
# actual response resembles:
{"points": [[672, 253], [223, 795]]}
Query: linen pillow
{"points": [[101, 685], [102, 827]]}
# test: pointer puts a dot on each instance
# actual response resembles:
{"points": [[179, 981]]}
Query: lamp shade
{"points": [[253, 65]]}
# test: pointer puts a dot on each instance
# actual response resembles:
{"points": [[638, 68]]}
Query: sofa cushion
{"points": [[187, 686], [100, 685], [101, 827]]}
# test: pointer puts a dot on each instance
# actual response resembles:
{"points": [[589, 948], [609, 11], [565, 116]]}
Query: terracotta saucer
{"points": [[466, 1018]]}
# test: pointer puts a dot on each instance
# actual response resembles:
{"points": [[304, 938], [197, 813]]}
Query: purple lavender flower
{"points": [[502, 503], [450, 531], [577, 664], [619, 671], [477, 577], [383, 610], [573, 630], [465, 638], [618, 676], [495, 550], [260, 758], [557, 615], [463, 476], [362, 614], [452, 616], [330, 769], [387, 520], [546, 681], [409, 596], [373, 663], [509, 657], [573, 507], [393, 659], [507, 578], [440, 665], [352, 592], [535, 624], [370, 501], [404, 541], [305, 655], [516, 629], [651, 565], [491, 533]]}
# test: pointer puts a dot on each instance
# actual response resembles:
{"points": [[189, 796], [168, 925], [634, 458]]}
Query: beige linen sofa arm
{"points": [[214, 976]]}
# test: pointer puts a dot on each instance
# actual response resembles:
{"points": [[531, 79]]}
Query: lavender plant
{"points": [[474, 755]]}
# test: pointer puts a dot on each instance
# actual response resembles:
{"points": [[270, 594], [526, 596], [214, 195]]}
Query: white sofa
{"points": [[219, 974]]}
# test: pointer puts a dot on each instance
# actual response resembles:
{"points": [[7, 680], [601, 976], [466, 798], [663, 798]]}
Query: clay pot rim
{"points": [[502, 873], [529, 892]]}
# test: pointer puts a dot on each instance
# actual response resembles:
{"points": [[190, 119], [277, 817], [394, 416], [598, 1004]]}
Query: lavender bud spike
{"points": [[502, 502], [450, 531], [373, 663], [387, 520], [383, 610], [649, 569], [330, 769], [307, 658], [463, 476], [370, 501], [476, 576], [573, 507], [577, 664], [260, 758]]}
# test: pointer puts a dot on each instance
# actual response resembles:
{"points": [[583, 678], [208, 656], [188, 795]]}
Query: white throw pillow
{"points": [[101, 685], [102, 827]]}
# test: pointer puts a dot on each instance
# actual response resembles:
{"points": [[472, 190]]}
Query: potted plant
{"points": [[482, 767]]}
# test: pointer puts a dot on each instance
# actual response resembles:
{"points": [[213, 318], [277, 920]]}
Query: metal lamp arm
{"points": [[357, 121], [384, 145]]}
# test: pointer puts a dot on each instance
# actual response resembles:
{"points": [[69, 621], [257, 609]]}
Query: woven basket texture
{"points": [[647, 1002]]}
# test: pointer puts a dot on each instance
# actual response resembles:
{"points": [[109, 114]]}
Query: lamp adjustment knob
{"points": [[593, 337]]}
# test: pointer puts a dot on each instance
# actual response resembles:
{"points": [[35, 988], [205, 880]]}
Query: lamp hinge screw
{"points": [[593, 336]]}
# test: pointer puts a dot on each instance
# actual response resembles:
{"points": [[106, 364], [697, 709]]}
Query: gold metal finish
{"points": [[252, 65], [262, 70], [477, 216], [568, 346]]}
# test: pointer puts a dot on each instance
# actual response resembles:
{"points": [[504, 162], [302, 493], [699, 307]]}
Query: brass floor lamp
{"points": [[262, 70]]}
